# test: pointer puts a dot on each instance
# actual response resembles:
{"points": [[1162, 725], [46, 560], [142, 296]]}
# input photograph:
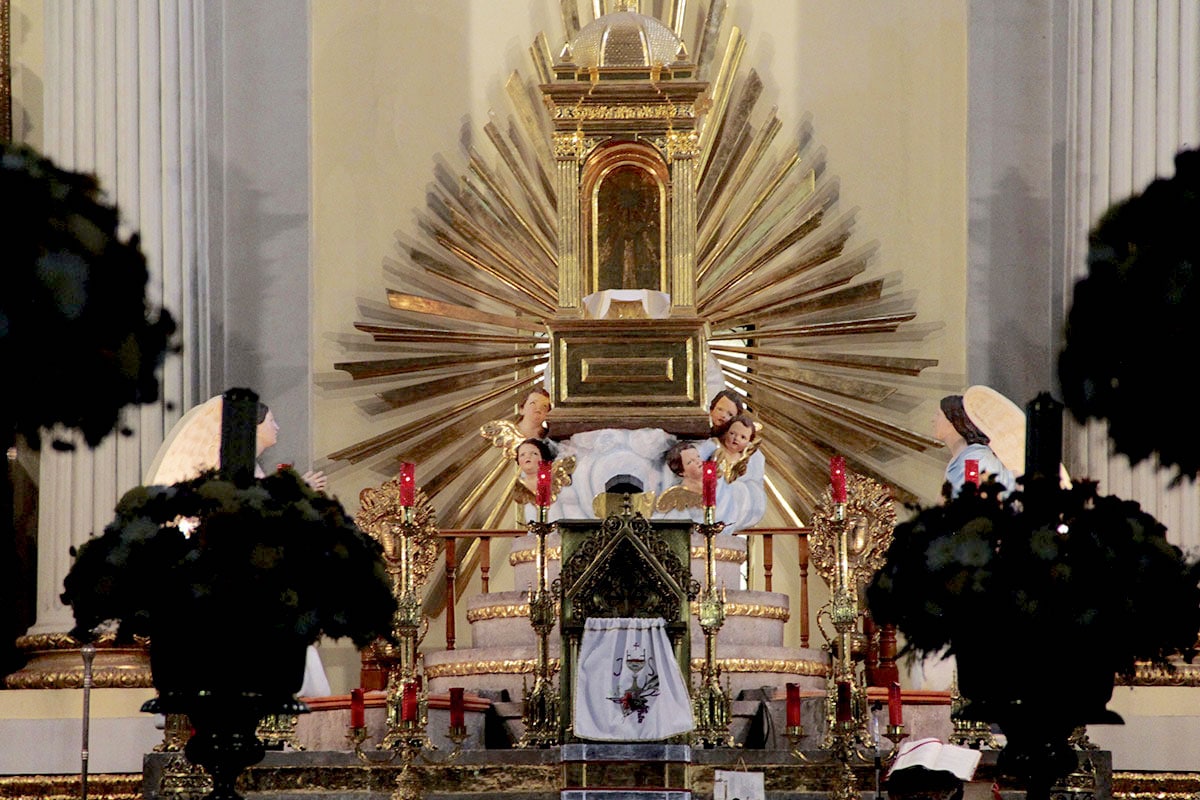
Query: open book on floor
{"points": [[936, 756]]}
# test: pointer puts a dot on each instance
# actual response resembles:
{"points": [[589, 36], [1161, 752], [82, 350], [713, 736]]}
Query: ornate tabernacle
{"points": [[625, 566], [624, 102]]}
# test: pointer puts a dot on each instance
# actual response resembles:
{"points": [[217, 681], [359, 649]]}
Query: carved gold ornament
{"points": [[381, 516], [508, 666], [870, 517]]}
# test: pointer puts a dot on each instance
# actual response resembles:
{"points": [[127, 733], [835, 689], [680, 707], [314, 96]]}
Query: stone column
{"points": [[1134, 102], [124, 100]]}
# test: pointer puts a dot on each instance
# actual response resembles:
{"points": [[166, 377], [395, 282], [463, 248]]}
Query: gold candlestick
{"points": [[541, 713], [710, 703]]}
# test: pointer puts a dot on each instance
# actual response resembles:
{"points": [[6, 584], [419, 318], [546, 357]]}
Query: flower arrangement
{"points": [[1040, 570], [75, 325], [268, 562], [1138, 305], [1042, 597]]}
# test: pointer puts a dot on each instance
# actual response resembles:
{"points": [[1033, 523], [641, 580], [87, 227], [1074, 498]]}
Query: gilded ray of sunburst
{"points": [[794, 321]]}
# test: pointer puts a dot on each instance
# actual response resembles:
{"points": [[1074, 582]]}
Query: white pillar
{"points": [[1134, 101], [125, 100]]}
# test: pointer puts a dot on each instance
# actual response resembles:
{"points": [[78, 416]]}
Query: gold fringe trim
{"points": [[513, 666], [498, 612], [788, 666], [726, 554], [756, 610], [65, 641], [518, 610], [526, 666], [1157, 785], [529, 556], [116, 678], [721, 554], [66, 787], [1148, 675]]}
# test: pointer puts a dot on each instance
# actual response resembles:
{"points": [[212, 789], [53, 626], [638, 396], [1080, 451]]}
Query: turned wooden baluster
{"points": [[451, 594], [485, 562], [802, 548], [768, 558]]}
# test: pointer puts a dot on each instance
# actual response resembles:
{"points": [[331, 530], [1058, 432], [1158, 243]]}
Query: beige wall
{"points": [[26, 56]]}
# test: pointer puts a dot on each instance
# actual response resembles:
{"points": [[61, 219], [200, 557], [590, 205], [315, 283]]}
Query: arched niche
{"points": [[625, 194]]}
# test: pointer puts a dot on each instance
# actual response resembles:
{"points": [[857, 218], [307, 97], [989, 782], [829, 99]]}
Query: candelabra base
{"points": [[712, 712], [541, 717]]}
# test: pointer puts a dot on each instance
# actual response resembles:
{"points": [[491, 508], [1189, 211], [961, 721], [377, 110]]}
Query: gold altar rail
{"points": [[484, 537]]}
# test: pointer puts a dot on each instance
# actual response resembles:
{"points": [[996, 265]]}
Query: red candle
{"points": [[408, 703], [710, 484], [358, 710], [895, 705], [843, 702], [837, 478], [793, 705], [971, 471], [457, 718], [408, 484], [543, 485]]}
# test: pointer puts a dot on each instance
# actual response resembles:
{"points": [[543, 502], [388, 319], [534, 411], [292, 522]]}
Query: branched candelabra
{"points": [[710, 703], [847, 736], [541, 713], [401, 521]]}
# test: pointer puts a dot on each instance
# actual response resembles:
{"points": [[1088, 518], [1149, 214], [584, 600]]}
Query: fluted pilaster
{"points": [[1134, 102], [123, 101]]}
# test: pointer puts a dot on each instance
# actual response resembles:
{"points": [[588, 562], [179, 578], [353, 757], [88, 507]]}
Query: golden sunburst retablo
{"points": [[745, 235]]}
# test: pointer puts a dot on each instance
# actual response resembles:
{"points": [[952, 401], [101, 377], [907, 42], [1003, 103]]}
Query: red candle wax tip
{"points": [[793, 705], [407, 483], [543, 484], [895, 705], [710, 484], [837, 478], [408, 703], [844, 713], [357, 709], [457, 715], [971, 471]]}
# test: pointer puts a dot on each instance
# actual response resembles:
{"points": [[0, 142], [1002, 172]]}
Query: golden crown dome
{"points": [[626, 39]]}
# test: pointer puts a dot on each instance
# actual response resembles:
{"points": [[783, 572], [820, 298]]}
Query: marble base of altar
{"points": [[616, 771]]}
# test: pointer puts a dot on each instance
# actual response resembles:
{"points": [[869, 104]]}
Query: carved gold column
{"points": [[681, 148], [569, 149]]}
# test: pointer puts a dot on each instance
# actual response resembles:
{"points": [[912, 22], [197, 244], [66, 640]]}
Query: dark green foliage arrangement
{"points": [[77, 335], [274, 557]]}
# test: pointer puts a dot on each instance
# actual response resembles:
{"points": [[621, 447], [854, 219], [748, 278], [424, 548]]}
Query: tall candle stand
{"points": [[853, 528], [400, 518], [710, 703], [407, 698], [541, 712], [846, 731]]}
